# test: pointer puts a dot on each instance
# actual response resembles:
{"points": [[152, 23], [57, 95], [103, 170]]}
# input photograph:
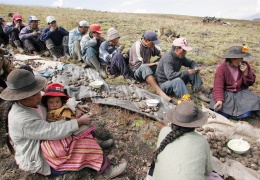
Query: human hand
{"points": [[244, 68], [218, 106], [83, 108], [52, 29], [125, 56], [35, 33], [156, 63], [85, 119], [17, 25], [192, 71], [197, 69], [122, 47]]}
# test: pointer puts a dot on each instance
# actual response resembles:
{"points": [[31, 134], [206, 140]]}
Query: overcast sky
{"points": [[235, 9]]}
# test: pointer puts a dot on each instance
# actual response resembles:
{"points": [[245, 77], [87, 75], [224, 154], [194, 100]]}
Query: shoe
{"points": [[106, 144], [257, 113], [130, 80], [102, 73], [174, 101], [113, 171], [202, 97]]}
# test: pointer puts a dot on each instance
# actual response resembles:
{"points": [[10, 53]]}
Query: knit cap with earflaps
{"points": [[112, 34]]}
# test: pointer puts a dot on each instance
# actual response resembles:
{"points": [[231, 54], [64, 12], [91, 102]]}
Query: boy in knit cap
{"points": [[111, 57], [56, 38]]}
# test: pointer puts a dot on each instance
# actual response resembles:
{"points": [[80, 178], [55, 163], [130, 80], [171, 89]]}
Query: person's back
{"points": [[186, 158]]}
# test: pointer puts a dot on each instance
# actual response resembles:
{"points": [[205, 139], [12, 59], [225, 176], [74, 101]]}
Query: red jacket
{"points": [[224, 81]]}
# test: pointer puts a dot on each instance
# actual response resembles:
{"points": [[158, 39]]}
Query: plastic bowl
{"points": [[152, 102], [96, 84], [238, 146]]}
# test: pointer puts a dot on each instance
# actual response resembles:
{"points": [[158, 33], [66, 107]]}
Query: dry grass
{"points": [[209, 41]]}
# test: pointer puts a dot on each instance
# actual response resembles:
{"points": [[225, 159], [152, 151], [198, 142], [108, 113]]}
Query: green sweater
{"points": [[186, 158]]}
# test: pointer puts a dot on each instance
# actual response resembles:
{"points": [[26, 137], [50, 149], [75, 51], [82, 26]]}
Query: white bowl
{"points": [[96, 84], [152, 102], [238, 146]]}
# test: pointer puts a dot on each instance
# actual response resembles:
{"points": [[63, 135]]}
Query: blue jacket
{"points": [[106, 51], [74, 35], [27, 33], [56, 36]]}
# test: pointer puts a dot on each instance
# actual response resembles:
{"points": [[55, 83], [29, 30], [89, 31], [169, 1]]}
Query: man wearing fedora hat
{"points": [[30, 36], [27, 127], [231, 96], [181, 152], [171, 79], [12, 29], [90, 44], [56, 38]]}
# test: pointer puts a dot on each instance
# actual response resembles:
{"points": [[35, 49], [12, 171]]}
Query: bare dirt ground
{"points": [[135, 138]]}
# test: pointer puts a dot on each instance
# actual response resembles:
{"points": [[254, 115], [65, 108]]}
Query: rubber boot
{"points": [[93, 60], [18, 45], [54, 54], [116, 170], [65, 52]]}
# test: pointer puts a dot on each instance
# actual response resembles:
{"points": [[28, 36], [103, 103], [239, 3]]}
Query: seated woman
{"points": [[182, 153], [231, 96], [28, 127]]}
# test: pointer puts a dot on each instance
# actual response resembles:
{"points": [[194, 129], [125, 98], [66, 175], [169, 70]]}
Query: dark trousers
{"points": [[4, 38], [14, 35], [119, 66], [34, 45]]}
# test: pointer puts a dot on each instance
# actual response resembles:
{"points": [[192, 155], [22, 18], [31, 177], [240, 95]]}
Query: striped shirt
{"points": [[140, 54]]}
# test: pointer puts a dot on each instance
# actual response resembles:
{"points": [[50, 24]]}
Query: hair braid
{"points": [[176, 132]]}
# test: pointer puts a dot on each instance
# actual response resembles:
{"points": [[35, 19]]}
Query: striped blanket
{"points": [[73, 153]]}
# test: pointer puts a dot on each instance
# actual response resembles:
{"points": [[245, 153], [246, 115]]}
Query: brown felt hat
{"points": [[236, 52], [22, 84], [187, 114]]}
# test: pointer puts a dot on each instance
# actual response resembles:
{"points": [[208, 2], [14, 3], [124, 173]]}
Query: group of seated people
{"points": [[31, 127]]}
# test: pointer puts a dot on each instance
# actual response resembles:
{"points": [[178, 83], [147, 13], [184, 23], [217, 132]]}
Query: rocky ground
{"points": [[135, 138]]}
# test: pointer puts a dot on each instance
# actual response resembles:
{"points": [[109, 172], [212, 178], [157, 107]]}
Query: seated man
{"points": [[90, 44], [171, 79], [75, 36], [12, 29], [110, 55], [139, 61], [4, 39], [56, 38], [30, 36], [5, 68]]}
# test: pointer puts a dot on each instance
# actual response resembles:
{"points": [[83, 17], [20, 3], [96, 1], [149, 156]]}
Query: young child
{"points": [[55, 100]]}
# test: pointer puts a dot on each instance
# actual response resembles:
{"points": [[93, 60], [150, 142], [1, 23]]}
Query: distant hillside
{"points": [[253, 17]]}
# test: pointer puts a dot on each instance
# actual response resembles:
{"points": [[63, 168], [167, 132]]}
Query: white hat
{"points": [[112, 33], [50, 19], [33, 18], [84, 23]]}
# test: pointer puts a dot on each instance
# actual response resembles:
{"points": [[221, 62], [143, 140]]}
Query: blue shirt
{"points": [[74, 35], [56, 36]]}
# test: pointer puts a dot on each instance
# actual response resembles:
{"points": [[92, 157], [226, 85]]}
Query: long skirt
{"points": [[239, 103], [73, 153]]}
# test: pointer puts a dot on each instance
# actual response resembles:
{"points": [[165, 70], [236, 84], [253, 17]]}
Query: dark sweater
{"points": [[56, 36], [224, 81], [169, 67]]}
